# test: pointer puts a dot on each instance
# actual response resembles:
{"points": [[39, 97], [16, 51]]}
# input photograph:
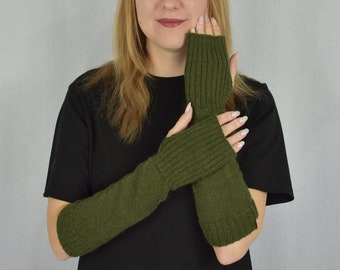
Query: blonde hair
{"points": [[126, 97]]}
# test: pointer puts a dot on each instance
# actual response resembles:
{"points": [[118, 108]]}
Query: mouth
{"points": [[170, 23]]}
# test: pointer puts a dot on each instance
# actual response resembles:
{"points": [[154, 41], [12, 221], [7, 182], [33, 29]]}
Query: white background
{"points": [[291, 45]]}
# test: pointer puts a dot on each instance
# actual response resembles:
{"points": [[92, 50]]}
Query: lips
{"points": [[170, 23]]}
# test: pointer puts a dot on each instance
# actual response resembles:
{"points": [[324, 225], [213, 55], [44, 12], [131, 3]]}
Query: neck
{"points": [[166, 63]]}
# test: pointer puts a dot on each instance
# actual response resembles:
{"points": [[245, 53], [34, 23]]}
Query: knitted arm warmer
{"points": [[184, 158], [225, 209], [207, 75]]}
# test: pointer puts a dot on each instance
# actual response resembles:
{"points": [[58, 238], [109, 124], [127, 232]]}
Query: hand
{"points": [[209, 26], [229, 122]]}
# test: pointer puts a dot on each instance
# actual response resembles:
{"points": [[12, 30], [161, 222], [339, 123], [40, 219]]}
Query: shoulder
{"points": [[95, 79], [89, 87], [77, 89], [83, 79], [261, 102], [261, 91], [83, 83]]}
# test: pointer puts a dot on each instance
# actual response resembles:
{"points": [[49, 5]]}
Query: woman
{"points": [[135, 183]]}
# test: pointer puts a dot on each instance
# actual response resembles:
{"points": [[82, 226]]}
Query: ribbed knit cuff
{"points": [[225, 209], [193, 153], [207, 74], [232, 229]]}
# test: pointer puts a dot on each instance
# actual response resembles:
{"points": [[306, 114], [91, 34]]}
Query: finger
{"points": [[232, 126], [182, 122], [233, 66], [207, 26], [238, 136], [215, 27], [237, 146], [226, 117], [200, 25]]}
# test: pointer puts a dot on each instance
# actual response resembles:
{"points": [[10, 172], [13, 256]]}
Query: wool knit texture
{"points": [[207, 76], [225, 209], [182, 159]]}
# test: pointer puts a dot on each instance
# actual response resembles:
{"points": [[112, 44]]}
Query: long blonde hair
{"points": [[126, 96]]}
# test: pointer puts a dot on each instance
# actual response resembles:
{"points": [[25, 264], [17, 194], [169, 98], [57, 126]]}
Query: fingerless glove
{"points": [[182, 159], [225, 209]]}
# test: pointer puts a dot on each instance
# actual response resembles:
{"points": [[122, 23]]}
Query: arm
{"points": [[235, 251], [181, 159], [231, 253], [55, 206], [224, 206], [53, 209]]}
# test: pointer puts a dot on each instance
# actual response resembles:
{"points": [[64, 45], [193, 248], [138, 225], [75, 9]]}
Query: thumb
{"points": [[182, 122], [233, 66]]}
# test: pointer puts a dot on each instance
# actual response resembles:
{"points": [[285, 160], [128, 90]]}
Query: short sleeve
{"points": [[263, 159], [68, 172]]}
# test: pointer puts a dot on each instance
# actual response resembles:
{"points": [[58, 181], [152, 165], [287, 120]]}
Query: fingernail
{"points": [[193, 30], [243, 119], [206, 18], [240, 144], [236, 56], [244, 132], [188, 108], [235, 114], [201, 20], [213, 21]]}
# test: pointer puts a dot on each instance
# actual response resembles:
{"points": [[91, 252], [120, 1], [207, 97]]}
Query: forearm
{"points": [[182, 159], [98, 219], [54, 207], [236, 251], [225, 209]]}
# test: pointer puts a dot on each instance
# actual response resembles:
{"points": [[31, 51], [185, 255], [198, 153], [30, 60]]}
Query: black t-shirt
{"points": [[88, 155]]}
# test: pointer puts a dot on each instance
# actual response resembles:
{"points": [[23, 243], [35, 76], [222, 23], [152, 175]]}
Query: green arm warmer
{"points": [[182, 159], [225, 209]]}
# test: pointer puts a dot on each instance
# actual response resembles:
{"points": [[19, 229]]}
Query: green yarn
{"points": [[225, 209], [207, 76], [198, 155], [182, 159]]}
